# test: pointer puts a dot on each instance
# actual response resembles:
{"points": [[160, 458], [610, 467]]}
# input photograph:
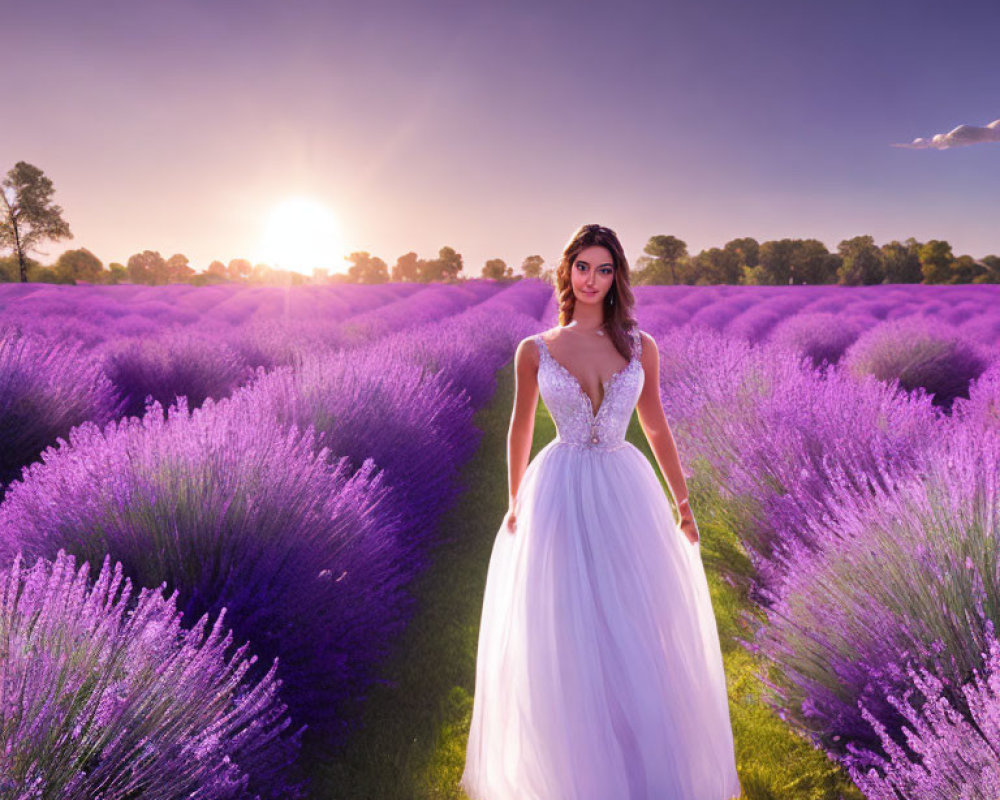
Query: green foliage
{"points": [[531, 267], [901, 262], [991, 270], [754, 276], [497, 269], [862, 263], [716, 266], [788, 261], [10, 270], [147, 267], [178, 269], [79, 265], [747, 250], [664, 262], [366, 268], [119, 272], [936, 261], [407, 268], [965, 269], [445, 267], [39, 273]]}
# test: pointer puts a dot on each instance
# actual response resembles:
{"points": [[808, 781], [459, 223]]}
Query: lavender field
{"points": [[216, 501]]}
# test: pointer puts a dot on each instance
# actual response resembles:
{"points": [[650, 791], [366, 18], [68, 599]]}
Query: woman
{"points": [[599, 674]]}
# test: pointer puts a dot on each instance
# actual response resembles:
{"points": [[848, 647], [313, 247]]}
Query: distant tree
{"points": [[902, 261], [406, 268], [861, 262], [716, 266], [936, 261], [746, 249], [429, 270], [662, 261], [786, 261], [29, 217], [239, 269], [965, 269], [217, 270], [38, 273], [366, 268], [450, 264], [147, 267], [177, 268], [444, 268], [991, 273], [532, 266], [117, 272], [814, 263], [497, 269], [79, 265], [10, 269], [777, 258]]}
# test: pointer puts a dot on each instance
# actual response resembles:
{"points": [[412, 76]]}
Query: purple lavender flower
{"points": [[176, 363], [232, 510], [919, 353], [373, 404], [901, 575], [822, 337], [950, 737], [46, 388], [105, 695], [775, 436]]}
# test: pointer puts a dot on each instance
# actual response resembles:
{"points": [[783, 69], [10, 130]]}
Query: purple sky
{"points": [[499, 128]]}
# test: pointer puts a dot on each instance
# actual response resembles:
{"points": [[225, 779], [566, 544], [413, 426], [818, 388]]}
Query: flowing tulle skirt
{"points": [[599, 674]]}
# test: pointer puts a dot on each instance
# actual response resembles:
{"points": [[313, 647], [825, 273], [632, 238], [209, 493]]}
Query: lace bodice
{"points": [[572, 409]]}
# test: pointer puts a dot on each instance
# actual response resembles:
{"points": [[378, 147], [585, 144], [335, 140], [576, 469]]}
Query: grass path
{"points": [[416, 725]]}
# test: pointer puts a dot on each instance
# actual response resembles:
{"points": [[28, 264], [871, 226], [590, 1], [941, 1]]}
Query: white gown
{"points": [[599, 674]]}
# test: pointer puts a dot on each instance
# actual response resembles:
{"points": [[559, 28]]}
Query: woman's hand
{"points": [[510, 520], [688, 526]]}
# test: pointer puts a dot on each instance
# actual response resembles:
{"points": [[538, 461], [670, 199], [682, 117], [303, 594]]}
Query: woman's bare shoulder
{"points": [[648, 348], [527, 350], [550, 335]]}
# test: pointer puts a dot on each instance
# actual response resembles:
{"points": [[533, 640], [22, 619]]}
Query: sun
{"points": [[302, 234]]}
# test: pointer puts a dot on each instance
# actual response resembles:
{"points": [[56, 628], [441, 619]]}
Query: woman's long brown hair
{"points": [[618, 314]]}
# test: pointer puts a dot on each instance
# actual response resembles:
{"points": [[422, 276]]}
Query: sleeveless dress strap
{"points": [[637, 339]]}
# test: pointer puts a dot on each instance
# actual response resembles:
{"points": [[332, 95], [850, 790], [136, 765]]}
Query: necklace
{"points": [[598, 331]]}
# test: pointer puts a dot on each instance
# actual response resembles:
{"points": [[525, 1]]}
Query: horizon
{"points": [[184, 129]]}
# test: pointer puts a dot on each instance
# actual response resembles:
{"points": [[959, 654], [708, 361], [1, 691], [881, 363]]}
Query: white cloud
{"points": [[956, 137]]}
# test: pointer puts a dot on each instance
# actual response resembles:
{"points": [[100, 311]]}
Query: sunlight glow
{"points": [[302, 234]]}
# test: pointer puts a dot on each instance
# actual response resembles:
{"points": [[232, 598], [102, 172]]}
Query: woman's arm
{"points": [[522, 420], [661, 440]]}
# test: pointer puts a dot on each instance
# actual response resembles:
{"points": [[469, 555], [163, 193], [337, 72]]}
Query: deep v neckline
{"points": [[605, 383]]}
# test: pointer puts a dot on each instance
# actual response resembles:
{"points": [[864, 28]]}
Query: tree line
{"points": [[29, 217], [856, 262]]}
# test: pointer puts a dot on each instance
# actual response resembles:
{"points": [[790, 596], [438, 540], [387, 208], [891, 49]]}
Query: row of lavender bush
{"points": [[53, 379], [299, 507], [758, 313], [863, 485]]}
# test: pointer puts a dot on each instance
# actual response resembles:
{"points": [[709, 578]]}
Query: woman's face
{"points": [[592, 273]]}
